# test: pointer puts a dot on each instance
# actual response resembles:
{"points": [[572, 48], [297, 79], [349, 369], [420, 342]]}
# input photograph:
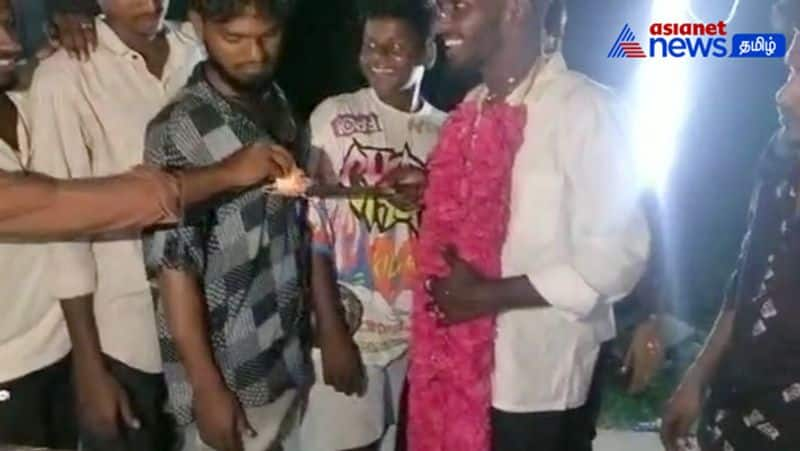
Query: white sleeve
{"points": [[323, 159], [59, 149], [608, 233]]}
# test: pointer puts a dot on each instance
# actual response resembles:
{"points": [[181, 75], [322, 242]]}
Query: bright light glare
{"points": [[660, 103]]}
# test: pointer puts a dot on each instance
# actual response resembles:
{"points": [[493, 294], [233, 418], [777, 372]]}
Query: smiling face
{"points": [[471, 31], [392, 56], [10, 49]]}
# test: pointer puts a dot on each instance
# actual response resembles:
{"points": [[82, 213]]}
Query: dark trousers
{"points": [[37, 410], [569, 430], [148, 395]]}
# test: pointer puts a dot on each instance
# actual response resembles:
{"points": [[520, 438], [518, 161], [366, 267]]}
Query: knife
{"points": [[336, 190]]}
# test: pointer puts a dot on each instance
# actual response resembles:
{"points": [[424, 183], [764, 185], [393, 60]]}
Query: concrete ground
{"points": [[627, 441], [606, 441]]}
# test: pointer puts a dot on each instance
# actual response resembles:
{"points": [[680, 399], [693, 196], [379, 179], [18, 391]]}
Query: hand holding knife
{"points": [[314, 189], [402, 186]]}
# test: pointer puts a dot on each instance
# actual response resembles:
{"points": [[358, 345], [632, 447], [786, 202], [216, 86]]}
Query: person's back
{"points": [[231, 316]]}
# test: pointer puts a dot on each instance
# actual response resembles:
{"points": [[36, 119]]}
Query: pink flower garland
{"points": [[467, 206]]}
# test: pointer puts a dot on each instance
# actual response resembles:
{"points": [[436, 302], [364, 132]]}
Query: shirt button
{"points": [[5, 395], [781, 190]]}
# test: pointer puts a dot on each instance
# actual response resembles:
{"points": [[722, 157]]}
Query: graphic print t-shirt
{"points": [[368, 238]]}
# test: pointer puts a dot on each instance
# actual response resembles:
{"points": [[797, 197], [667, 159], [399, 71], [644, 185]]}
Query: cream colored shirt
{"points": [[575, 231], [33, 334], [89, 119]]}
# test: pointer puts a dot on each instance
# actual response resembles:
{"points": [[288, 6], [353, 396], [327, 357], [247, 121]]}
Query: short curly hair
{"points": [[225, 10], [419, 14]]}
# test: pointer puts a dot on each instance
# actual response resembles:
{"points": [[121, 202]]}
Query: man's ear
{"points": [[197, 22], [431, 54]]}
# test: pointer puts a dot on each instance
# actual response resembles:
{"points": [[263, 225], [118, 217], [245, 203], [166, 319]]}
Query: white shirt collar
{"points": [[554, 66]]}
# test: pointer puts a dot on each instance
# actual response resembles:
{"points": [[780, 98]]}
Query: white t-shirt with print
{"points": [[370, 239]]}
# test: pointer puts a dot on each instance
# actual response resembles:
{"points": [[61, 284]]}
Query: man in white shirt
{"points": [[576, 239], [91, 116], [36, 390], [366, 138], [34, 374]]}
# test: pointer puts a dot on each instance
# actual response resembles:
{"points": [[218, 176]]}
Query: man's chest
{"points": [[252, 237], [117, 107], [539, 196], [768, 303], [368, 146]]}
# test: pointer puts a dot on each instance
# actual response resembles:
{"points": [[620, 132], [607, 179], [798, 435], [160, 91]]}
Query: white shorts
{"points": [[273, 423], [334, 421]]}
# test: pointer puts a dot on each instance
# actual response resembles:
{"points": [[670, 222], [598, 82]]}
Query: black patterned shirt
{"points": [[755, 397], [764, 289], [246, 250]]}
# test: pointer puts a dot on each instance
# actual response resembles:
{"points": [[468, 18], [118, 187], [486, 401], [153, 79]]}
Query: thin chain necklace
{"points": [[511, 83]]}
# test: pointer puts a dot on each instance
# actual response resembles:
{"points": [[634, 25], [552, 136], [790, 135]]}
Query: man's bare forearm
{"points": [[707, 362], [87, 353], [37, 207], [325, 296], [185, 308], [34, 206], [200, 184]]}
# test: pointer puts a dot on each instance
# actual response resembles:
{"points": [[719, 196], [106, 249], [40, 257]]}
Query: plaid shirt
{"points": [[246, 250]]}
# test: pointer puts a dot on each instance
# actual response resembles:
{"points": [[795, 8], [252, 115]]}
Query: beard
{"points": [[254, 84], [8, 81]]}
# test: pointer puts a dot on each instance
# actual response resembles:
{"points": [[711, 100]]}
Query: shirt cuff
{"points": [[74, 271], [563, 288]]}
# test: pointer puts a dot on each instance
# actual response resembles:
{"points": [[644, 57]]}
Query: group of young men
{"points": [[198, 334]]}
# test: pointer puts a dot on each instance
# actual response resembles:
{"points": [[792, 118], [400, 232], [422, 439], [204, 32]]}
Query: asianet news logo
{"points": [[697, 40]]}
